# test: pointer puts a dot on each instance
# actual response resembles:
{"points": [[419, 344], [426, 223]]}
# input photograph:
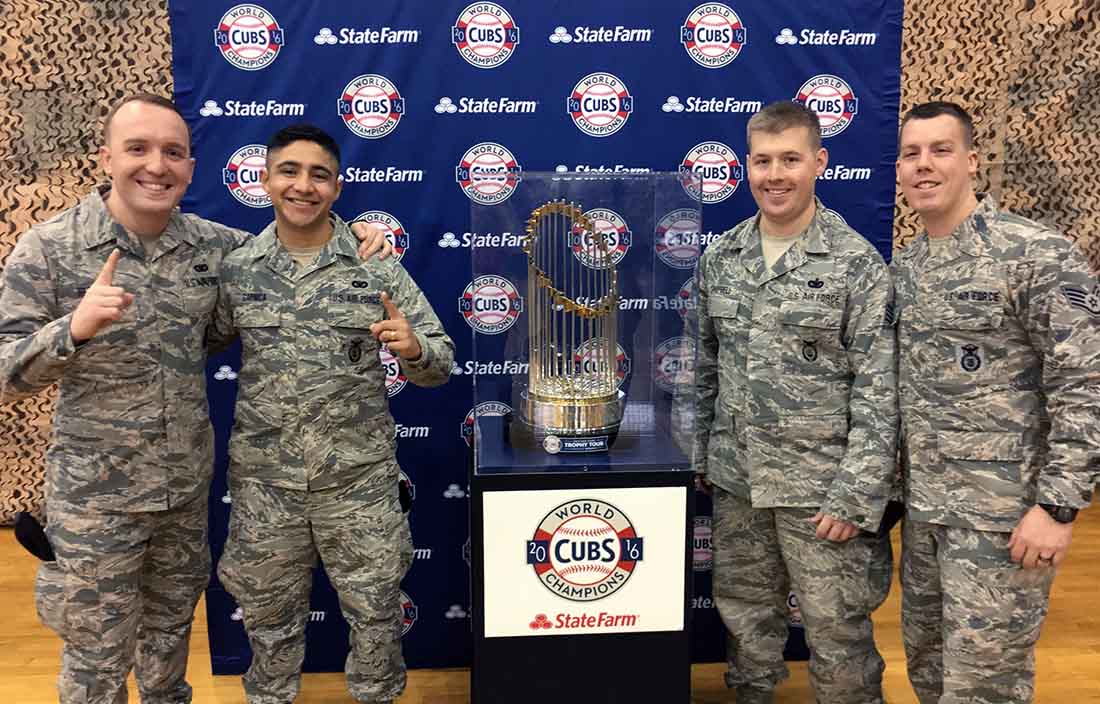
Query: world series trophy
{"points": [[569, 399]]}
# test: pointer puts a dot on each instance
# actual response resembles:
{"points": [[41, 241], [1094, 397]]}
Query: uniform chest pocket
{"points": [[260, 328], [969, 341], [811, 335], [724, 312], [354, 347]]}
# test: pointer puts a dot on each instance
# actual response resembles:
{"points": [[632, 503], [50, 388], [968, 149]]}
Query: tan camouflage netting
{"points": [[1028, 70]]}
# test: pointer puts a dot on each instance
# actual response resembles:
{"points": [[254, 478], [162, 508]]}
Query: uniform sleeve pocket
{"points": [[981, 447], [253, 316]]}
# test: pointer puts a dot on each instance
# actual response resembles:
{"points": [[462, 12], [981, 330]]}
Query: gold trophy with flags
{"points": [[572, 402]]}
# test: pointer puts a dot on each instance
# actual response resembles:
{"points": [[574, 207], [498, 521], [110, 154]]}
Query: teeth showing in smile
{"points": [[158, 187]]}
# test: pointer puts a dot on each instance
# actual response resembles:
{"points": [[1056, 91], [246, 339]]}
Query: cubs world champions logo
{"points": [[483, 409], [242, 173], [833, 101], [588, 356], [249, 37], [370, 106], [599, 104], [615, 233], [584, 550], [488, 173], [490, 304], [674, 362], [713, 35], [409, 614], [702, 554], [718, 168], [485, 35], [677, 238], [391, 228], [395, 378]]}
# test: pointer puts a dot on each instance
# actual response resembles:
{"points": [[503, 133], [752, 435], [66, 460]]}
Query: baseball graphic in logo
{"points": [[488, 173], [674, 361], [718, 168], [485, 408], [677, 238], [833, 101], [409, 614], [685, 298], [490, 304], [615, 234], [391, 228], [404, 478], [485, 35], [599, 104], [242, 173], [370, 106], [395, 378], [702, 555], [713, 35], [589, 358], [248, 37], [584, 550]]}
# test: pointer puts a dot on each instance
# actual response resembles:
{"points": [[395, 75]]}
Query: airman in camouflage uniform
{"points": [[131, 455], [112, 298], [796, 424], [313, 470], [999, 384]]}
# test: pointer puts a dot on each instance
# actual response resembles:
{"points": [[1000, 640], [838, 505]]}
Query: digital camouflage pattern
{"points": [[999, 390], [795, 372], [131, 453], [970, 616], [999, 372], [313, 470], [796, 413]]}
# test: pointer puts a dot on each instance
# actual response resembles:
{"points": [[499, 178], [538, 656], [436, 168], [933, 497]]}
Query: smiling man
{"points": [[313, 471], [796, 422], [999, 388], [112, 299]]}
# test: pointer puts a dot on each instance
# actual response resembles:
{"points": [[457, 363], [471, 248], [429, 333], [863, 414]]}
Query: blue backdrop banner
{"points": [[437, 105]]}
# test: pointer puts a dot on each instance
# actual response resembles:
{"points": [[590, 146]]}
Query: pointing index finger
{"points": [[107, 273]]}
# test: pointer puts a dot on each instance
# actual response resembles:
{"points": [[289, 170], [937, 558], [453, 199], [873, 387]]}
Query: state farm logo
{"points": [[242, 174], [713, 35], [366, 35], [832, 99], [616, 236], [483, 409], [479, 106], [718, 168], [488, 173], [674, 360], [252, 108], [490, 304], [825, 37], [248, 37], [485, 35], [702, 554], [677, 238], [599, 104], [395, 378], [584, 550], [591, 357], [391, 228], [584, 34], [370, 106], [409, 614]]}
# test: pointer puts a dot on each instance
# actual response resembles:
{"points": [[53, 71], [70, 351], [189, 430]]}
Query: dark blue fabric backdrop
{"points": [[410, 89]]}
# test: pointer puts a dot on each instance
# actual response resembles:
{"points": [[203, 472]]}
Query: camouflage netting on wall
{"points": [[1028, 70]]}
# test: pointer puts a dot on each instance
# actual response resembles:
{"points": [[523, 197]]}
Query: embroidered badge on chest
{"points": [[809, 350], [355, 350], [969, 357], [815, 283]]}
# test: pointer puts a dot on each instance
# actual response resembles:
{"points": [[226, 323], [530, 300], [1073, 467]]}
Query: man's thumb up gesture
{"points": [[103, 303]]}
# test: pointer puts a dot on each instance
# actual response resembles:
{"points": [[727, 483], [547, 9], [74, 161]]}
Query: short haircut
{"points": [[303, 132], [927, 111], [783, 115], [149, 99]]}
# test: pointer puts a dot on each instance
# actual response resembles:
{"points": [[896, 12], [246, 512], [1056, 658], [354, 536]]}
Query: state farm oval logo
{"points": [[584, 550]]}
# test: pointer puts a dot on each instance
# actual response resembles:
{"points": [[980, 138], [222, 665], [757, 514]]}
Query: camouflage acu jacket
{"points": [[312, 411], [131, 429], [795, 374], [999, 372]]}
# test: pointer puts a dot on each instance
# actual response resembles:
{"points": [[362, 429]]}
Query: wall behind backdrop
{"points": [[1024, 70]]}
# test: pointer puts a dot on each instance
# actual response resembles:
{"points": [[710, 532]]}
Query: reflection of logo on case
{"points": [[615, 232], [483, 409], [584, 550], [702, 555], [588, 355]]}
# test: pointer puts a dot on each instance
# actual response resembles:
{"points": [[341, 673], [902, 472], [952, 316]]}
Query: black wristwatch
{"points": [[1062, 514]]}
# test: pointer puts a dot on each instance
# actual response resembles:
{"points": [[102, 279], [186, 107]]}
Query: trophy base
{"points": [[557, 426]]}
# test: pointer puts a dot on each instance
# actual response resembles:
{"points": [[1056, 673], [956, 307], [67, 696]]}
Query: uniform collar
{"points": [[343, 243], [971, 237], [815, 240], [97, 226]]}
